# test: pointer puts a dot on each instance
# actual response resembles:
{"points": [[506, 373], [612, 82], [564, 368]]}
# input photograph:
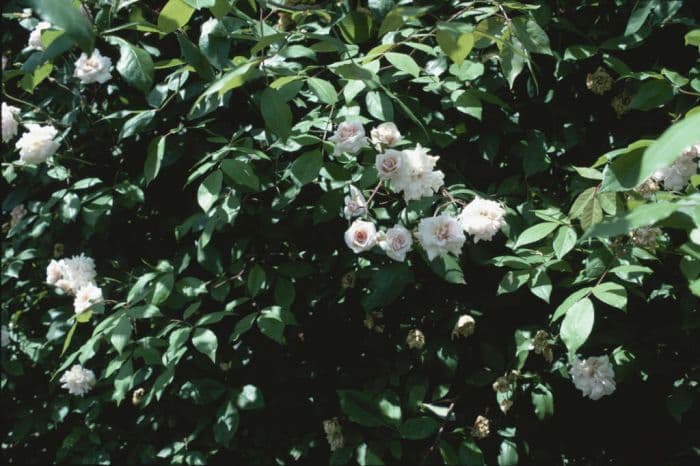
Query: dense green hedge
{"points": [[212, 251]]}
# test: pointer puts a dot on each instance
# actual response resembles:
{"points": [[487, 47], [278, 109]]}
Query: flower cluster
{"points": [[410, 172], [676, 176], [37, 144], [78, 380], [76, 276], [594, 376]]}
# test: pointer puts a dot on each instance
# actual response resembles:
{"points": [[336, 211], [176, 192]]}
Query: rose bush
{"points": [[384, 232]]}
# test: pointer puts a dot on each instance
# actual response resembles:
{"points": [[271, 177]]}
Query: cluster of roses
{"points": [[76, 277], [410, 172], [39, 142]]}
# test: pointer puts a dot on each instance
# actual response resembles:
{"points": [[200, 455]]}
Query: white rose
{"points": [[34, 42], [386, 134], [9, 122], [93, 69], [54, 272], [389, 164], [361, 236], [37, 144], [594, 376], [417, 177], [355, 204], [85, 297], [71, 274], [482, 219], [78, 380], [349, 137], [396, 242], [441, 235]]}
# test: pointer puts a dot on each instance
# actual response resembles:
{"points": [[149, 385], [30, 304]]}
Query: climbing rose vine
{"points": [[383, 232]]}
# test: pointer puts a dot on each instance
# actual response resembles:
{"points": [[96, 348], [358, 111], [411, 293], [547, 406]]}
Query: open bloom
{"points": [[71, 274], [78, 380], [34, 42], [675, 177], [361, 236], [9, 121], [594, 376], [86, 296], [334, 433], [441, 235], [482, 219], [464, 327], [37, 144], [396, 242], [386, 134], [417, 177], [93, 69], [389, 164], [355, 204], [349, 137]]}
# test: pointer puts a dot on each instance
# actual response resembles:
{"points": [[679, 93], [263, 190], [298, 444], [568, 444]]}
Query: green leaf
{"points": [[693, 38], [541, 285], [256, 280], [243, 325], [121, 334], [612, 294], [508, 454], [577, 324], [360, 408], [580, 52], [455, 45], [652, 94], [209, 190], [324, 90], [644, 215], [174, 15], [418, 428], [404, 63], [387, 285], [531, 35], [276, 113], [356, 27], [543, 402], [638, 17], [241, 173], [227, 420], [135, 65], [469, 104], [272, 322], [137, 123], [206, 342], [564, 241], [69, 337], [194, 56], [448, 268], [306, 168], [64, 15], [154, 158], [379, 106], [535, 233], [367, 457]]}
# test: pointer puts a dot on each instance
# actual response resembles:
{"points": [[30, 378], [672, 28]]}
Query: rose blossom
{"points": [[482, 219], [93, 69], [78, 380], [361, 236], [396, 242], [37, 144], [441, 235], [386, 134], [9, 122], [349, 137]]}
